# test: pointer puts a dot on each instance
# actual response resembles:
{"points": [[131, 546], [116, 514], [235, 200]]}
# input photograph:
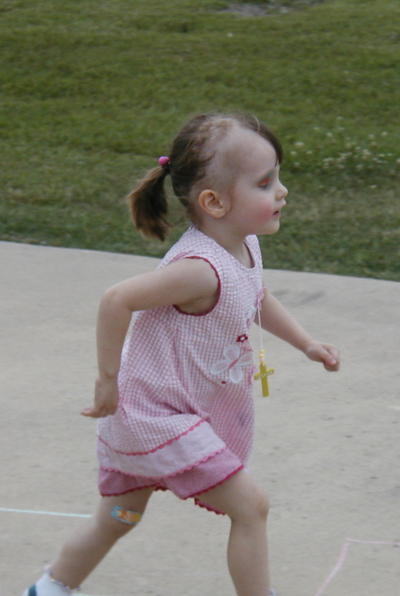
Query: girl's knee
{"points": [[117, 521], [253, 506], [118, 515], [262, 505], [255, 509]]}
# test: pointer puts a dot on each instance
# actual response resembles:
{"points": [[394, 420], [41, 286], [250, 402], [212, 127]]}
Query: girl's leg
{"points": [[85, 549], [247, 506]]}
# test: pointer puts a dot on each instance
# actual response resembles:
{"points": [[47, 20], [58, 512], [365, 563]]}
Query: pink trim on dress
{"points": [[217, 483], [208, 507], [202, 314], [133, 490], [196, 500], [173, 474], [133, 453]]}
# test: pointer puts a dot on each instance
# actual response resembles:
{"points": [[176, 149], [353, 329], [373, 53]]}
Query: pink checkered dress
{"points": [[185, 417]]}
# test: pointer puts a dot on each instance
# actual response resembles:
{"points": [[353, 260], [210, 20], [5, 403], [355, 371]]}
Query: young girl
{"points": [[174, 395]]}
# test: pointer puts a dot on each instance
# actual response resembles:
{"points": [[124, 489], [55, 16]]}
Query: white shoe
{"points": [[55, 589]]}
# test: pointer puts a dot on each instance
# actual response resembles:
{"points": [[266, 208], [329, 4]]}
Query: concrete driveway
{"points": [[326, 451]]}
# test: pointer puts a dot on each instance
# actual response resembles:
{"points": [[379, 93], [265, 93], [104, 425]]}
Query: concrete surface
{"points": [[326, 449]]}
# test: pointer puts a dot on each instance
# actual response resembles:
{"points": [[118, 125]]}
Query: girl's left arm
{"points": [[276, 319]]}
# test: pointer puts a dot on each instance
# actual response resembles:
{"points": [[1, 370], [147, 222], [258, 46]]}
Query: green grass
{"points": [[92, 93]]}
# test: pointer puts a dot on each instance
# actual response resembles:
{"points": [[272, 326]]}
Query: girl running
{"points": [[174, 389]]}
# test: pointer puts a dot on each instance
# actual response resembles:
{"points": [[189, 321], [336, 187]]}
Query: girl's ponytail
{"points": [[148, 203]]}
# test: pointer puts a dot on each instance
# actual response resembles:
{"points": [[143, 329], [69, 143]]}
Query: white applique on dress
{"points": [[237, 357]]}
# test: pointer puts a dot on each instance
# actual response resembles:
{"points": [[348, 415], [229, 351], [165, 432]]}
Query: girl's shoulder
{"points": [[194, 243]]}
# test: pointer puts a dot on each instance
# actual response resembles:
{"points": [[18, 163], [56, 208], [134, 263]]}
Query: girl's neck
{"points": [[233, 244]]}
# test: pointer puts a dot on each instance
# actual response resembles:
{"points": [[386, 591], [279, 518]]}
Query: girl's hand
{"points": [[105, 399], [325, 353]]}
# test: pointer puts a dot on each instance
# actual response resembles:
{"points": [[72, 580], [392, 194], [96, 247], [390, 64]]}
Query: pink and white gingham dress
{"points": [[185, 417]]}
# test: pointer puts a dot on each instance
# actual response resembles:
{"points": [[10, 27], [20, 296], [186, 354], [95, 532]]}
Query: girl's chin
{"points": [[271, 228]]}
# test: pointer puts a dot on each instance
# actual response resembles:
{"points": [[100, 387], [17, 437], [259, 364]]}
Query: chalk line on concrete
{"points": [[38, 512], [343, 556], [321, 590]]}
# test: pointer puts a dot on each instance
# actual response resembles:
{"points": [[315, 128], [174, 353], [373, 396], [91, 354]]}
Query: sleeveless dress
{"points": [[185, 417]]}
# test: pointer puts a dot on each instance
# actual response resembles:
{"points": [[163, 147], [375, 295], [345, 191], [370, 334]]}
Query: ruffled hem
{"points": [[205, 505], [208, 507], [188, 468], [190, 482], [196, 500], [174, 456], [133, 490], [206, 490]]}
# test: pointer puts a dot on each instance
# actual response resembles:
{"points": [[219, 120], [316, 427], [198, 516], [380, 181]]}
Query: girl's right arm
{"points": [[188, 283]]}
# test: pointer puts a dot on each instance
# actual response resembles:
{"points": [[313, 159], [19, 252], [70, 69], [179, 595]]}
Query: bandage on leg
{"points": [[132, 518]]}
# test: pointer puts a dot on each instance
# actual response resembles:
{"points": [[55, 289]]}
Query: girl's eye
{"points": [[265, 183]]}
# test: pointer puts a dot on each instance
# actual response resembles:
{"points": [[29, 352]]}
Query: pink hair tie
{"points": [[163, 161]]}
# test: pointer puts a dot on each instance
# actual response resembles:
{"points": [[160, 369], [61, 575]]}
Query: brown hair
{"points": [[192, 150]]}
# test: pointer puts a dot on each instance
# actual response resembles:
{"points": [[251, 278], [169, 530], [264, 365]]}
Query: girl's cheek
{"points": [[265, 212]]}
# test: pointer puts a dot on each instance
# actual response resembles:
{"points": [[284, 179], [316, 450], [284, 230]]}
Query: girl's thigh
{"points": [[239, 497]]}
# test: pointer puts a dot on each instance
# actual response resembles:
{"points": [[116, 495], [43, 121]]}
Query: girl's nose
{"points": [[282, 192]]}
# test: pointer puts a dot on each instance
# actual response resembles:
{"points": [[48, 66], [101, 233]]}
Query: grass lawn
{"points": [[92, 92]]}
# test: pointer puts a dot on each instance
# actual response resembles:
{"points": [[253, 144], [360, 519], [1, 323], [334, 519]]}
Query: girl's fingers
{"points": [[332, 361], [90, 412], [96, 413], [326, 354]]}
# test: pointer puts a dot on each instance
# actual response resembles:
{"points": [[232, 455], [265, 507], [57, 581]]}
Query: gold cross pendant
{"points": [[263, 374]]}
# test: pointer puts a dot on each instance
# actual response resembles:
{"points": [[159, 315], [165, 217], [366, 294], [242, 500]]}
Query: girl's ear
{"points": [[212, 203]]}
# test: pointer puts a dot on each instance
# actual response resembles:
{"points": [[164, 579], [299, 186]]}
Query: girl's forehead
{"points": [[252, 152]]}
